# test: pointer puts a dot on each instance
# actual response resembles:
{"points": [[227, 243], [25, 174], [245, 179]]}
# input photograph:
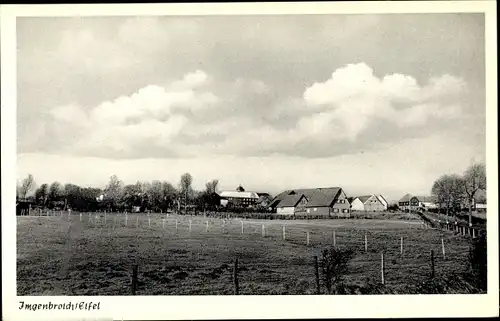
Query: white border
{"points": [[224, 307]]}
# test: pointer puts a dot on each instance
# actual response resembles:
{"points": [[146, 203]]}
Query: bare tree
{"points": [[448, 190], [474, 179], [211, 187], [27, 185]]}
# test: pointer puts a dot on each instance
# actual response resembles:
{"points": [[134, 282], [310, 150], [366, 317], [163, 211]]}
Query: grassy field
{"points": [[63, 255]]}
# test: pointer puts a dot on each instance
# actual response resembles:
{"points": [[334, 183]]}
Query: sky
{"points": [[379, 104]]}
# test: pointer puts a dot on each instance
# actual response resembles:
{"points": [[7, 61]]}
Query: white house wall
{"points": [[357, 205], [285, 210]]}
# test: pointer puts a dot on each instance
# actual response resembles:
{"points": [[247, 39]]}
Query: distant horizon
{"points": [[391, 198]]}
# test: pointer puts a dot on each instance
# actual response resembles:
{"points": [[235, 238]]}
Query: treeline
{"points": [[116, 196], [454, 192]]}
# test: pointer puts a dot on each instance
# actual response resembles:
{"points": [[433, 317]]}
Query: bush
{"points": [[334, 267]]}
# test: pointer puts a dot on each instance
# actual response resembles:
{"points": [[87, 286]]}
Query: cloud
{"points": [[198, 114], [354, 98]]}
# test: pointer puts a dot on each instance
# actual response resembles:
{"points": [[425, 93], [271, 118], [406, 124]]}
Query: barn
{"points": [[331, 201]]}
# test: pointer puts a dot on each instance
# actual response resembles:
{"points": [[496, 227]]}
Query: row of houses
{"points": [[309, 201]]}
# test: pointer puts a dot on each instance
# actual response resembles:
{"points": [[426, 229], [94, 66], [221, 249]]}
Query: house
{"points": [[480, 201], [239, 198], [424, 202], [292, 204], [368, 203], [404, 202], [312, 201]]}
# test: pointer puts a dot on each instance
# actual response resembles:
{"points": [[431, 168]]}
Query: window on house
{"points": [[335, 210], [308, 211], [315, 209]]}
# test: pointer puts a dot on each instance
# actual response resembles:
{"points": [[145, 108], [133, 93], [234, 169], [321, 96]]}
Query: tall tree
{"points": [[131, 196], [42, 194], [185, 189], [55, 191], [27, 186], [209, 199], [474, 179], [113, 192], [56, 194], [448, 191], [155, 195], [211, 187], [169, 195]]}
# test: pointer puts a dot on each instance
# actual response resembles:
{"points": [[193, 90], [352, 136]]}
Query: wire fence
{"points": [[406, 248]]}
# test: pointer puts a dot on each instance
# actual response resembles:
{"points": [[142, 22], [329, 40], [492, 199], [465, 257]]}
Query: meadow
{"points": [[94, 253]]}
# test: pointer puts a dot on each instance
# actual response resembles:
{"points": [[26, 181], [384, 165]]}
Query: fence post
{"points": [[242, 228], [190, 222], [163, 223], [366, 243], [401, 246], [90, 218], [444, 252], [307, 238], [263, 231], [432, 264], [137, 222], [134, 279], [126, 218], [284, 233], [105, 218], [473, 233], [176, 226], [235, 278], [334, 239], [80, 217], [316, 274], [149, 221], [206, 226], [382, 268]]}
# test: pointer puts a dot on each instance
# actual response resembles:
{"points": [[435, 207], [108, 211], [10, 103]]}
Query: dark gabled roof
{"points": [[323, 197], [317, 197], [405, 198], [290, 200]]}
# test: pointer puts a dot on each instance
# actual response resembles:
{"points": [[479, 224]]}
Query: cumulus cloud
{"points": [[353, 98], [200, 115]]}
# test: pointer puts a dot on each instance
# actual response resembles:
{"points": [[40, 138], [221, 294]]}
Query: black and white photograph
{"points": [[331, 154]]}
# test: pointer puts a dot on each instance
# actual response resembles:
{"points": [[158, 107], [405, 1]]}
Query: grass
{"points": [[65, 256]]}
